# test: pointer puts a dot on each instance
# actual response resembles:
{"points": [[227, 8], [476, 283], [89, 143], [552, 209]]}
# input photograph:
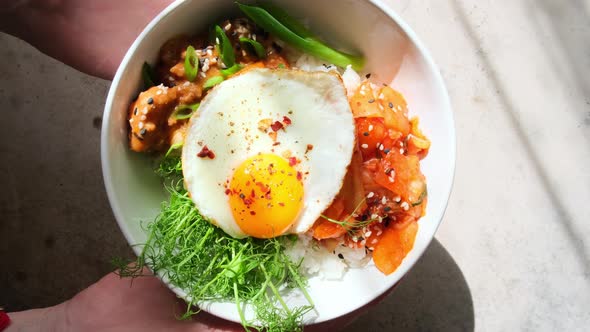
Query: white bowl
{"points": [[394, 55]]}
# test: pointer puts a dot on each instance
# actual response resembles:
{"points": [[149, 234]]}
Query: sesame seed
{"points": [[367, 234], [363, 242], [130, 120], [254, 36], [187, 83], [370, 127], [159, 92], [140, 125], [374, 241], [381, 107], [170, 78], [381, 96], [397, 199], [379, 232], [143, 118], [390, 105], [401, 151], [143, 131], [391, 179], [340, 256], [371, 194], [374, 216], [405, 206], [355, 239], [364, 146], [203, 74], [209, 52], [401, 144], [150, 100], [144, 111], [381, 147], [362, 92], [383, 200], [227, 27], [371, 101], [216, 40]]}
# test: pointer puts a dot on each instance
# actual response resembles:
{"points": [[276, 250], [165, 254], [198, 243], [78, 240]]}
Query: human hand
{"points": [[141, 304], [91, 36]]}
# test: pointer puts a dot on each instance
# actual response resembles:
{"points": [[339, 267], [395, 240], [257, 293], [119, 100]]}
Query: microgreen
{"points": [[198, 257]]}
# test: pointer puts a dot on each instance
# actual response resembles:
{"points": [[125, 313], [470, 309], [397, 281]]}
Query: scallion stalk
{"points": [[285, 28]]}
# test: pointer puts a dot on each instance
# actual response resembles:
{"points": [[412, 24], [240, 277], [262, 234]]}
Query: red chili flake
{"points": [[276, 143], [268, 196], [264, 188], [248, 201], [227, 191], [286, 120], [308, 148], [281, 204], [252, 213], [292, 161], [205, 152], [276, 126], [252, 193], [299, 176]]}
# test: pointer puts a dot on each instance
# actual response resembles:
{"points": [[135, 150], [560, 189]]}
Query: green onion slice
{"points": [[285, 28], [226, 49], [191, 64], [231, 70], [213, 81], [422, 197], [182, 112], [172, 148], [147, 73], [256, 46]]}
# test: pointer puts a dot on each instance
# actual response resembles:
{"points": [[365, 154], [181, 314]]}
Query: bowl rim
{"points": [[410, 34]]}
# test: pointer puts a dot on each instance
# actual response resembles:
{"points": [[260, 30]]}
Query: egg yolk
{"points": [[265, 195]]}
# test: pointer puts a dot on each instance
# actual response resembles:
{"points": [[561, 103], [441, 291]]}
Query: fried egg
{"points": [[268, 150]]}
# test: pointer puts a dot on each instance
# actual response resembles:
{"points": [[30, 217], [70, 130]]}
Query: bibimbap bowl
{"points": [[394, 55]]}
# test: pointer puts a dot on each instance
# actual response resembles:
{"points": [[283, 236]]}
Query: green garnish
{"points": [[289, 22], [256, 46], [148, 75], [170, 167], [281, 65], [287, 29], [422, 196], [191, 64], [231, 70], [210, 265], [226, 49], [182, 112], [173, 148], [351, 224], [213, 81]]}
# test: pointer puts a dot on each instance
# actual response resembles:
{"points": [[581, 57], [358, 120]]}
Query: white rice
{"points": [[317, 260]]}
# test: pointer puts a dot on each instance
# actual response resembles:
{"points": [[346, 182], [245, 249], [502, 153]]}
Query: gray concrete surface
{"points": [[57, 233], [512, 253]]}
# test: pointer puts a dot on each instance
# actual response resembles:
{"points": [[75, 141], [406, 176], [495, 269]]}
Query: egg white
{"points": [[227, 122]]}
